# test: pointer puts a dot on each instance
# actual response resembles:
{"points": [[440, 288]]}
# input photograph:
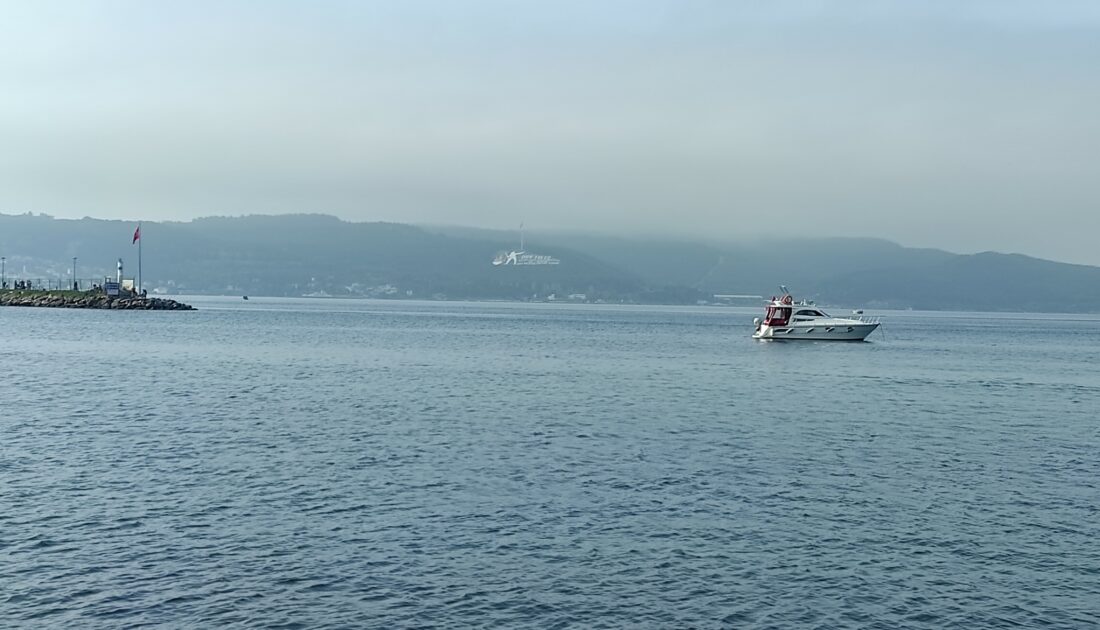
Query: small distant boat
{"points": [[244, 297], [804, 321]]}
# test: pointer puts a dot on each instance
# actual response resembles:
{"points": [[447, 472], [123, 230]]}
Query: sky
{"points": [[968, 126]]}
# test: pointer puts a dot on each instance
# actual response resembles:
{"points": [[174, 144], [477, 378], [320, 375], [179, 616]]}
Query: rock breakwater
{"points": [[73, 299]]}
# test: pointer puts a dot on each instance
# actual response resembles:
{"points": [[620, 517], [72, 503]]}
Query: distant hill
{"points": [[318, 254], [848, 272], [307, 254], [986, 281]]}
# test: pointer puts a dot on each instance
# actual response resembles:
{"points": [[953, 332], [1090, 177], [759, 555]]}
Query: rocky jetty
{"points": [[90, 299]]}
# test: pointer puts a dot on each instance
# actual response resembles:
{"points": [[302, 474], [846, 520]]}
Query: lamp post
{"points": [[74, 275]]}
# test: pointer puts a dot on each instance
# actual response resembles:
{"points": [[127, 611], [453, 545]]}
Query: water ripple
{"points": [[289, 465]]}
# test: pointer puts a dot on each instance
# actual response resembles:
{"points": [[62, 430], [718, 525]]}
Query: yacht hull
{"points": [[830, 332]]}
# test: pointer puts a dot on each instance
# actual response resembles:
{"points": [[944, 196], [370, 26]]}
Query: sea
{"points": [[329, 463]]}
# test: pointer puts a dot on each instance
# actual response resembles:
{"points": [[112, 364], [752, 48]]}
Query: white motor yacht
{"points": [[787, 319]]}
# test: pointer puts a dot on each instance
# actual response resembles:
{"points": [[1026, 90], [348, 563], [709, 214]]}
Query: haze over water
{"points": [[331, 463]]}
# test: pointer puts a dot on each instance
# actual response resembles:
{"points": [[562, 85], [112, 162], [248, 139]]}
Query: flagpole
{"points": [[139, 259]]}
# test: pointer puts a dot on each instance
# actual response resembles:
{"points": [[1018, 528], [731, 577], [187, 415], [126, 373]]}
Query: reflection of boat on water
{"points": [[786, 319]]}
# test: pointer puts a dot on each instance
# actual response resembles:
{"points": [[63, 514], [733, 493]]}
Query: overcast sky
{"points": [[963, 125]]}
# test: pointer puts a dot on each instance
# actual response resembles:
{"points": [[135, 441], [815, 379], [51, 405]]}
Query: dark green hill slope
{"points": [[317, 254], [299, 254]]}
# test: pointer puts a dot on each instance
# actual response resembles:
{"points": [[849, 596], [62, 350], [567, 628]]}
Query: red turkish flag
{"points": [[137, 234]]}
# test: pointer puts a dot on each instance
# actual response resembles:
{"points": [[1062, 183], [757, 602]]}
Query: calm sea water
{"points": [[329, 463]]}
